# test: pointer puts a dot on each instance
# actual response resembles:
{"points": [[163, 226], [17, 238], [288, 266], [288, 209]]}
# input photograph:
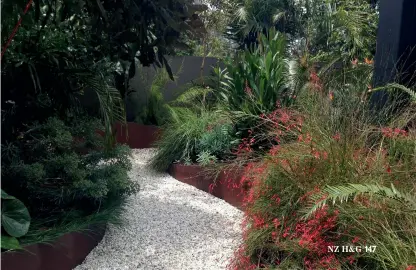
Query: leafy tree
{"points": [[214, 43], [258, 16], [120, 31], [61, 50], [347, 28]]}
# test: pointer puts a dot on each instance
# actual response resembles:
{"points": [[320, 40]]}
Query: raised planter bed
{"points": [[136, 135], [65, 253], [225, 186]]}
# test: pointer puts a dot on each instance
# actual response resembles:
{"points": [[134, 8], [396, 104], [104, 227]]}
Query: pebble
{"points": [[169, 225]]}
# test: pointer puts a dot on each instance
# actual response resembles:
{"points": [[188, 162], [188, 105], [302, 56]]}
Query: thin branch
{"points": [[15, 29]]}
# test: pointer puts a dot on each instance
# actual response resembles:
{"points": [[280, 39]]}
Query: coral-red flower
{"points": [[276, 223]]}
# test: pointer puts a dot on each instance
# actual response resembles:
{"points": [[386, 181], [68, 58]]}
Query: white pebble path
{"points": [[169, 225]]}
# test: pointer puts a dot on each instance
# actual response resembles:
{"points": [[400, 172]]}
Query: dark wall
{"points": [[396, 41], [396, 47], [187, 70]]}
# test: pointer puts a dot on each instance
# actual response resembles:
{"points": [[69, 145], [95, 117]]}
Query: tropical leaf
{"points": [[112, 107], [5, 196], [15, 217], [8, 242]]}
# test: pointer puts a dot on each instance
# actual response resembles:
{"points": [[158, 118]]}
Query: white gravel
{"points": [[169, 225]]}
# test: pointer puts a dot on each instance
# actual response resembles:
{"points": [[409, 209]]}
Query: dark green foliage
{"points": [[346, 28], [119, 29], [218, 140], [75, 220], [155, 112], [51, 177], [45, 73]]}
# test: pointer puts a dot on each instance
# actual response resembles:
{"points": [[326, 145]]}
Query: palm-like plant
{"points": [[252, 17], [348, 27]]}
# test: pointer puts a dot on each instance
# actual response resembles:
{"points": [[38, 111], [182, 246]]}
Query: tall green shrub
{"points": [[257, 79]]}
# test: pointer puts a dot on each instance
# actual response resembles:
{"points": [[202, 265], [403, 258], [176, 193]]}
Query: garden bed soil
{"points": [[225, 186], [65, 253]]}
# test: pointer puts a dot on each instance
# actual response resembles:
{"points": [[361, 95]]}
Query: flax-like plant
{"points": [[256, 80]]}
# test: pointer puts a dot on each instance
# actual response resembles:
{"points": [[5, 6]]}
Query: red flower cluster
{"points": [[245, 146], [315, 80], [282, 121], [337, 137], [393, 133]]}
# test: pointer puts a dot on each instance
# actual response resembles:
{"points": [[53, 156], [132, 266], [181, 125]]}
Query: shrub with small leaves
{"points": [[51, 177], [218, 140]]}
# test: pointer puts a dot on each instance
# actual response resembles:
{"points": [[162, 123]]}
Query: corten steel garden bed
{"points": [[225, 186], [135, 135], [65, 253]]}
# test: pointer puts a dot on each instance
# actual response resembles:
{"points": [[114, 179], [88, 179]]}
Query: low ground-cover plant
{"points": [[330, 138]]}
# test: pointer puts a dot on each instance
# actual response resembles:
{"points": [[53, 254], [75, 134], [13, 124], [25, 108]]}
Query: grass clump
{"points": [[330, 147], [192, 134]]}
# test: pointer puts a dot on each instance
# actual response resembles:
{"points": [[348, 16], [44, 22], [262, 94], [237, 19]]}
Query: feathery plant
{"points": [[395, 86], [351, 191], [194, 125], [195, 95], [388, 223], [205, 158]]}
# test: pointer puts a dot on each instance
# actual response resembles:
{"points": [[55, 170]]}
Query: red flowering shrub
{"points": [[303, 159]]}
